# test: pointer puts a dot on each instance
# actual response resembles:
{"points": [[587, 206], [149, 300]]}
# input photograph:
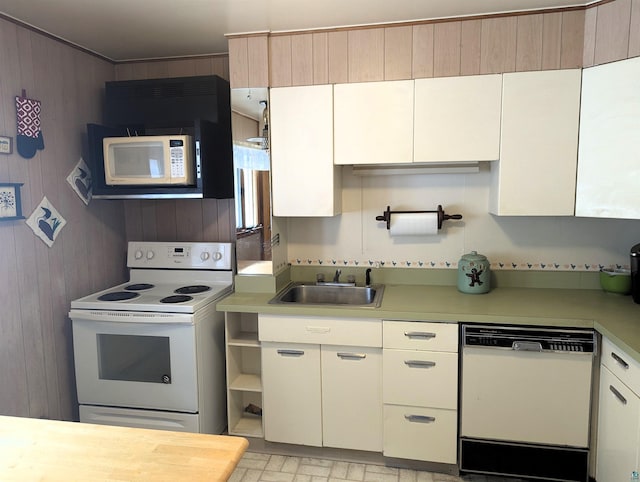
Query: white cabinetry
{"points": [[457, 119], [536, 173], [374, 122], [609, 154], [322, 381], [420, 391], [304, 180], [244, 384], [618, 415]]}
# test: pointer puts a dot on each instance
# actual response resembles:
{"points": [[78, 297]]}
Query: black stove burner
{"points": [[139, 287], [176, 299], [192, 289], [118, 296]]}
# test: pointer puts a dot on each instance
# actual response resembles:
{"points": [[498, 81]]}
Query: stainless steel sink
{"points": [[330, 294]]}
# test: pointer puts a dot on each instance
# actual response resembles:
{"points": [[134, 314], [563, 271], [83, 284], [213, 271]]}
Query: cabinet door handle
{"points": [[318, 329], [618, 394], [420, 418], [419, 363], [351, 356], [419, 334], [291, 352], [619, 359]]}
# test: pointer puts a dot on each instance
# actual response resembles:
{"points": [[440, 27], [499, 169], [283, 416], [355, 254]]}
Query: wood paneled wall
{"points": [[181, 219], [37, 283], [544, 40]]}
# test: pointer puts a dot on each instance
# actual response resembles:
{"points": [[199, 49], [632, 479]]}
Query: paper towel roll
{"points": [[413, 224]]}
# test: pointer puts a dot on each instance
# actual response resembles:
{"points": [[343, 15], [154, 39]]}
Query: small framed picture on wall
{"points": [[6, 145], [10, 204]]}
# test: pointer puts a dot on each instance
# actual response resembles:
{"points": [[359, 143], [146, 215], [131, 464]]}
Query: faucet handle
{"points": [[351, 278], [320, 278]]}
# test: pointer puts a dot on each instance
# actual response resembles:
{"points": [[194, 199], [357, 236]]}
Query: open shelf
{"points": [[246, 382]]}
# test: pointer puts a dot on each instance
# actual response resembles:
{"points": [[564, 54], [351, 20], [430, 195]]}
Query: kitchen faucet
{"points": [[336, 277]]}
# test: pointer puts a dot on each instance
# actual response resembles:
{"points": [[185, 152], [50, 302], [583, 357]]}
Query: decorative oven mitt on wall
{"points": [[29, 138]]}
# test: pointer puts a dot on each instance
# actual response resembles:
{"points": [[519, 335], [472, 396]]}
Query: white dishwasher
{"points": [[525, 401]]}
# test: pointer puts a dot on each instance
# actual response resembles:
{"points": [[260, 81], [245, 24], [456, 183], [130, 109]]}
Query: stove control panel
{"points": [[211, 256]]}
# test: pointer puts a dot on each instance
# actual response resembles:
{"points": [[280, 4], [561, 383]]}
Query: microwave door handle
{"points": [[198, 159]]}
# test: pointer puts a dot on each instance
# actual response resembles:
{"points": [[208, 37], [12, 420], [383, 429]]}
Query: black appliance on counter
{"points": [[197, 106], [635, 273]]}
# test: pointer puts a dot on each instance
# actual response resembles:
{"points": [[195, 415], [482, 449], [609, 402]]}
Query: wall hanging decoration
{"points": [[10, 204], [46, 222], [6, 145], [29, 138], [80, 181]]}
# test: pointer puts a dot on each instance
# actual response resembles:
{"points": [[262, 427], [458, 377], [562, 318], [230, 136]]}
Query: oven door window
{"points": [[134, 358]]}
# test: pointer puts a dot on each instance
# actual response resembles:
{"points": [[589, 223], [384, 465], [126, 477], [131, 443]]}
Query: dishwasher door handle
{"points": [[526, 346]]}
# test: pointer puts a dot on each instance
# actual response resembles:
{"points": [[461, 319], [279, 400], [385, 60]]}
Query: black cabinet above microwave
{"points": [[196, 107]]}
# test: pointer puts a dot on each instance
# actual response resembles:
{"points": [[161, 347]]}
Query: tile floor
{"points": [[261, 467]]}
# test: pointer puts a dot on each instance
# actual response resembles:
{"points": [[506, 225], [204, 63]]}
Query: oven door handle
{"points": [[526, 346]]}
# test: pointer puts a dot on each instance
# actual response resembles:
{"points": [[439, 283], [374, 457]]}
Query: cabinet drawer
{"points": [[621, 365], [427, 434], [414, 335], [314, 329], [420, 378]]}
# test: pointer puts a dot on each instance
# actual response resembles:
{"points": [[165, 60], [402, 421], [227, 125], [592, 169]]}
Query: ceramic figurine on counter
{"points": [[474, 273]]}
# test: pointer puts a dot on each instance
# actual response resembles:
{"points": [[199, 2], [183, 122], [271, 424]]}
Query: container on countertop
{"points": [[474, 273]]}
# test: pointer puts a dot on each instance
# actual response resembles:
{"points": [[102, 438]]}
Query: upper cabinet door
{"points": [[373, 122], [536, 173], [457, 118], [304, 180], [609, 154]]}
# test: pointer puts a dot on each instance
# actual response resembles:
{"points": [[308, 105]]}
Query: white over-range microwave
{"points": [[149, 160]]}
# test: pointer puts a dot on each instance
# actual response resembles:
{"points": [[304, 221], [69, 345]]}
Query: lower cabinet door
{"points": [[352, 397], [618, 428], [417, 433], [292, 393]]}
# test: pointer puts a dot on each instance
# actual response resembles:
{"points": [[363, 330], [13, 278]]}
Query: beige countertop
{"points": [[615, 316]]}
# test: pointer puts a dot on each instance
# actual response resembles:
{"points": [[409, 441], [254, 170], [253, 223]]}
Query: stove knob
{"points": [[217, 255], [138, 254], [150, 254], [205, 255]]}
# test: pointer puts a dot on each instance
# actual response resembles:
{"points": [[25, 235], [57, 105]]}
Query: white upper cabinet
{"points": [[304, 180], [373, 122], [609, 155], [536, 173], [457, 119]]}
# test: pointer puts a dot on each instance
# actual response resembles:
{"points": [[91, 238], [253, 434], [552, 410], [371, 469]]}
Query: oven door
{"points": [[135, 363]]}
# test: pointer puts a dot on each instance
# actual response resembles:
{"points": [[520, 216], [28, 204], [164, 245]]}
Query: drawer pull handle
{"points": [[617, 358], [420, 418], [291, 352], [618, 394], [419, 363], [318, 329], [419, 334], [352, 356]]}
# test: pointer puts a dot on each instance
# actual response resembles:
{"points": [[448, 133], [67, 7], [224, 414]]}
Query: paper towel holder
{"points": [[442, 216]]}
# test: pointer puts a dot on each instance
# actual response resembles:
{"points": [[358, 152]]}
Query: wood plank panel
{"points": [[470, 40], [258, 60], [589, 47], [366, 54], [238, 62], [634, 30], [189, 220], [398, 52], [166, 222], [612, 31], [422, 52], [321, 58], [210, 220], [302, 59], [337, 44], [446, 49], [280, 60], [551, 40], [529, 43], [573, 24], [498, 45]]}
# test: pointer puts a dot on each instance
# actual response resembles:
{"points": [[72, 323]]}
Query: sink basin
{"points": [[328, 294]]}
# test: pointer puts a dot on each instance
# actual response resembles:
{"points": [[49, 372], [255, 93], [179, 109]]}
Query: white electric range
{"points": [[150, 352]]}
